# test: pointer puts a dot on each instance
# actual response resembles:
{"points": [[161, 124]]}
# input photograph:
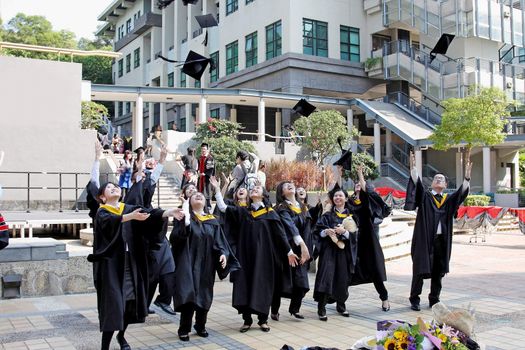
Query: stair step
{"points": [[397, 252], [401, 238], [393, 229]]}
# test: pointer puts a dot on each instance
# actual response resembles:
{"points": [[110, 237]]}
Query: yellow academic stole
{"points": [[112, 209], [342, 216], [204, 217], [260, 212], [295, 209], [439, 204]]}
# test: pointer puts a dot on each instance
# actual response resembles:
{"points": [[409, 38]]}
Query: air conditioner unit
{"points": [[509, 85]]}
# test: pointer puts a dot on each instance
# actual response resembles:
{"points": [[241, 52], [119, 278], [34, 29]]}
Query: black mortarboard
{"points": [[304, 108], [195, 65], [334, 190], [345, 161], [206, 21], [140, 149], [186, 2], [441, 46]]}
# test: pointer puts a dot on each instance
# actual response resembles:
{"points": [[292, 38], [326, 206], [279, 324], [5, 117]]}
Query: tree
{"points": [[320, 132], [95, 68], [92, 115], [475, 120], [221, 135], [370, 168]]}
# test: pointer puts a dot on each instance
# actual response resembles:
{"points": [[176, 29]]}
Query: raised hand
{"points": [[222, 260], [98, 150], [214, 182], [468, 169]]}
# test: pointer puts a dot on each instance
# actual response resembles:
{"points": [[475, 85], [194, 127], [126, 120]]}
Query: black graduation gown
{"points": [[297, 223], [262, 248], [370, 264], [335, 266], [109, 248], [429, 215], [315, 212], [197, 249]]}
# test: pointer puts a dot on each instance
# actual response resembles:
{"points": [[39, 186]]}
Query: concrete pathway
{"points": [[490, 277]]}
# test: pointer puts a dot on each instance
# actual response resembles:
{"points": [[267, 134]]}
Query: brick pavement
{"points": [[486, 276]]}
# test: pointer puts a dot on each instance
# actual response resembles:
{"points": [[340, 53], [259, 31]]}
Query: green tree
{"points": [[92, 115], [475, 120], [370, 168], [95, 68], [221, 135], [320, 132], [522, 168]]}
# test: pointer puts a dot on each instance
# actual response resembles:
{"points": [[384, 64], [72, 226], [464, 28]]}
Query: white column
{"points": [[202, 110], [377, 143], [349, 119], [388, 143], [459, 169], [261, 120], [163, 121], [278, 124], [151, 118], [138, 132], [233, 114], [189, 118], [419, 161], [486, 169]]}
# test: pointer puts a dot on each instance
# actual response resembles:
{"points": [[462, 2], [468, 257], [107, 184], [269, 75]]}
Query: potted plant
{"points": [[373, 65]]}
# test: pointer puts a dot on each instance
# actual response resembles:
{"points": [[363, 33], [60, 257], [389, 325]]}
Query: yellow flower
{"points": [[442, 337], [400, 335], [402, 345], [389, 344]]}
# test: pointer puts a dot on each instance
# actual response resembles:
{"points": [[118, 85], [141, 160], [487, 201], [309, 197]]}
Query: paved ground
{"points": [[489, 277]]}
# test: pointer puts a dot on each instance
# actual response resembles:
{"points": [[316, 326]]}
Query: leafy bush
{"points": [[304, 174], [370, 169], [477, 200], [215, 128], [92, 115]]}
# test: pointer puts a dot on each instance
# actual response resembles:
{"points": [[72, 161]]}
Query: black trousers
{"points": [[381, 290], [435, 276], [295, 301], [166, 285], [186, 317], [247, 317]]}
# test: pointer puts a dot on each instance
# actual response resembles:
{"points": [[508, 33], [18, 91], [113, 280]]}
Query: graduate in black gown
{"points": [[296, 221], [264, 254], [240, 198], [337, 255], [370, 263], [121, 235], [432, 239], [200, 249], [314, 211]]}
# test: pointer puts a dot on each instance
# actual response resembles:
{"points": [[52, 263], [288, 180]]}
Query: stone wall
{"points": [[52, 277]]}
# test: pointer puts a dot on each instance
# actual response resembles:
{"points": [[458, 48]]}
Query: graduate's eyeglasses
{"points": [[439, 179]]}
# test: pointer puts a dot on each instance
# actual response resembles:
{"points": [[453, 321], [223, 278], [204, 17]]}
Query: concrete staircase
{"points": [[396, 234], [168, 192]]}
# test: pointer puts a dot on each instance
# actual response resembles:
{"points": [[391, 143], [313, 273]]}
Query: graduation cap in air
{"points": [[186, 2], [206, 21], [304, 108], [346, 157], [441, 46], [195, 65]]}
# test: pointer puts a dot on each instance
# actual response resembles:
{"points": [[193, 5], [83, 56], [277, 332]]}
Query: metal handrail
{"points": [[422, 111]]}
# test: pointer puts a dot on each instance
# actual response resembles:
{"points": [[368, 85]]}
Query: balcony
{"points": [[142, 24]]}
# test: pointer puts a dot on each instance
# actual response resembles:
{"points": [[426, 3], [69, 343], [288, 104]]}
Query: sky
{"points": [[78, 16]]}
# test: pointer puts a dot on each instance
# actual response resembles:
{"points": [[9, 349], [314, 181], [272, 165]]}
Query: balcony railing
{"points": [[143, 23]]}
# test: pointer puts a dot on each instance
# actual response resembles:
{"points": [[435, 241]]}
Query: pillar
{"points": [[486, 169], [459, 169], [377, 143], [138, 132], [189, 117], [233, 114], [278, 124], [419, 161], [261, 120], [163, 120], [202, 110], [349, 119], [151, 118], [388, 143]]}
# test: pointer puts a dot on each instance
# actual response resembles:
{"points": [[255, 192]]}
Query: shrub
{"points": [[304, 174], [477, 200]]}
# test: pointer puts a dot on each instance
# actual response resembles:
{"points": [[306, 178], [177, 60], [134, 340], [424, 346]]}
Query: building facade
{"points": [[376, 53]]}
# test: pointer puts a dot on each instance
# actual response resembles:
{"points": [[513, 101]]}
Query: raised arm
{"points": [[95, 170]]}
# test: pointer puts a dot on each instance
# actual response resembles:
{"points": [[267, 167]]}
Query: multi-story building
{"points": [[373, 53]]}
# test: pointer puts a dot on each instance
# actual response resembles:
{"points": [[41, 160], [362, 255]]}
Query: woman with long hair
{"points": [[200, 249], [296, 221], [263, 252], [125, 170]]}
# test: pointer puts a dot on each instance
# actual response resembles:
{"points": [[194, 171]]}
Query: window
{"points": [[231, 6], [120, 108], [182, 79], [128, 26], [120, 67], [119, 33], [128, 63], [273, 40], [128, 107], [249, 1], [521, 55], [214, 73], [350, 44], [232, 57], [251, 49], [197, 84], [214, 113], [182, 124], [136, 58], [315, 38], [170, 80]]}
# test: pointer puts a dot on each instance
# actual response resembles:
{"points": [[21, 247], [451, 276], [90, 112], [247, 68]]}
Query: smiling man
{"points": [[432, 238]]}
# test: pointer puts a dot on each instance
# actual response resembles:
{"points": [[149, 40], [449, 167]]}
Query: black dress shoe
{"points": [[184, 337], [165, 307], [201, 332], [387, 307], [341, 308], [415, 307], [321, 312], [432, 303], [123, 343], [275, 317], [151, 311], [297, 315]]}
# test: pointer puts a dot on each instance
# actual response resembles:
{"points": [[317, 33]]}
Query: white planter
{"points": [[509, 200]]}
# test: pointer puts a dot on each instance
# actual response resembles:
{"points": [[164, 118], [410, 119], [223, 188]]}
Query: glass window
{"points": [[120, 108], [182, 79], [214, 73], [170, 80], [521, 55], [120, 67], [232, 57], [231, 6], [128, 107], [251, 49], [273, 40], [136, 58], [197, 84], [128, 26], [214, 113], [350, 44], [315, 38], [182, 124], [128, 63]]}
